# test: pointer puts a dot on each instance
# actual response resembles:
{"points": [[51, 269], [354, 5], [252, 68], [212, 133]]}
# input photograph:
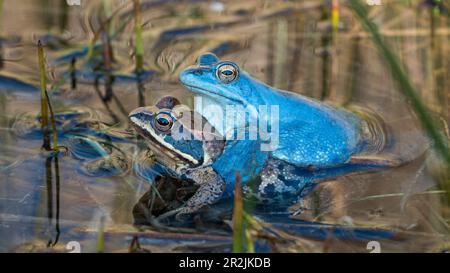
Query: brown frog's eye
{"points": [[227, 73], [163, 122]]}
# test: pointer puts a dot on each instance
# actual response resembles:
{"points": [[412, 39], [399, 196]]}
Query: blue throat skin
{"points": [[311, 133]]}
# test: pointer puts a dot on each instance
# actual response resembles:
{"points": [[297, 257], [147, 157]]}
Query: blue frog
{"points": [[311, 134]]}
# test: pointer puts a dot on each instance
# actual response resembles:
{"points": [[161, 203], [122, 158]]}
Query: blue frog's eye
{"points": [[227, 73], [163, 122]]}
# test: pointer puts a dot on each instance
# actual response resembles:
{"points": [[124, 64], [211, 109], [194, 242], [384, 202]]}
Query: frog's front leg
{"points": [[212, 187]]}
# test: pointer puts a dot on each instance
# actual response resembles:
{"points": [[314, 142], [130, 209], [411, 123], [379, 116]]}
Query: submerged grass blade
{"points": [[238, 217], [105, 26], [405, 85]]}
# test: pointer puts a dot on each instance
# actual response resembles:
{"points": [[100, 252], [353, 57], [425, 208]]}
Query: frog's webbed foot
{"points": [[302, 206], [305, 202], [211, 189]]}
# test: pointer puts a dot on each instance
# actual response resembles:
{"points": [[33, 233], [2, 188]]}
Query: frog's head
{"points": [[221, 81], [171, 135]]}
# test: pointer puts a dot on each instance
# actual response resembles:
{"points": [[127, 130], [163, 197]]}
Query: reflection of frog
{"points": [[203, 156], [312, 134], [84, 137]]}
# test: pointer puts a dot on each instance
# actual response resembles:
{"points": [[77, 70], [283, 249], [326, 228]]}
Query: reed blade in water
{"points": [[139, 51], [242, 219], [139, 47], [53, 121], [44, 104], [238, 216], [440, 143]]}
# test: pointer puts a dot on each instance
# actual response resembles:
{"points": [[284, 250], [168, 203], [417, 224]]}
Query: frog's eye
{"points": [[163, 122], [227, 73]]}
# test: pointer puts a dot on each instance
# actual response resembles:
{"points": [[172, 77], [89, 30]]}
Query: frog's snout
{"points": [[187, 77], [136, 112], [140, 114]]}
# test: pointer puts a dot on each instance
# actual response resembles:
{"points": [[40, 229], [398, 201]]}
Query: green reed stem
{"points": [[238, 216], [105, 26], [101, 235], [44, 103], [335, 16], [405, 86], [326, 41], [139, 51], [107, 9], [53, 122], [46, 106], [1, 34], [44, 111], [139, 47], [249, 241], [1, 14]]}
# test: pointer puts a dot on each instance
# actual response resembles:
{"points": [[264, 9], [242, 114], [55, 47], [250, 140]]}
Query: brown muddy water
{"points": [[49, 205]]}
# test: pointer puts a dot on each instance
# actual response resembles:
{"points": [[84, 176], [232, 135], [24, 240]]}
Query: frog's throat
{"points": [[215, 96], [157, 144]]}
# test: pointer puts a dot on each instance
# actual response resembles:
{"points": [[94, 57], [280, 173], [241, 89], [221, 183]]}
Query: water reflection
{"points": [[51, 179]]}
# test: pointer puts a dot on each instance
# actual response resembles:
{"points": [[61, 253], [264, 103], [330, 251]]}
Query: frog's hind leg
{"points": [[212, 187], [281, 178], [286, 185]]}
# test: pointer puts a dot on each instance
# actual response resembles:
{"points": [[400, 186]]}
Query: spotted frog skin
{"points": [[312, 134], [211, 161]]}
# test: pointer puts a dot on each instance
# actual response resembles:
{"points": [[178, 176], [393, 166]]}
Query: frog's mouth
{"points": [[172, 158], [164, 151]]}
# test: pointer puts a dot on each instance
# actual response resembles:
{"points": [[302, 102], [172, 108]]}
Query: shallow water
{"points": [[45, 203]]}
